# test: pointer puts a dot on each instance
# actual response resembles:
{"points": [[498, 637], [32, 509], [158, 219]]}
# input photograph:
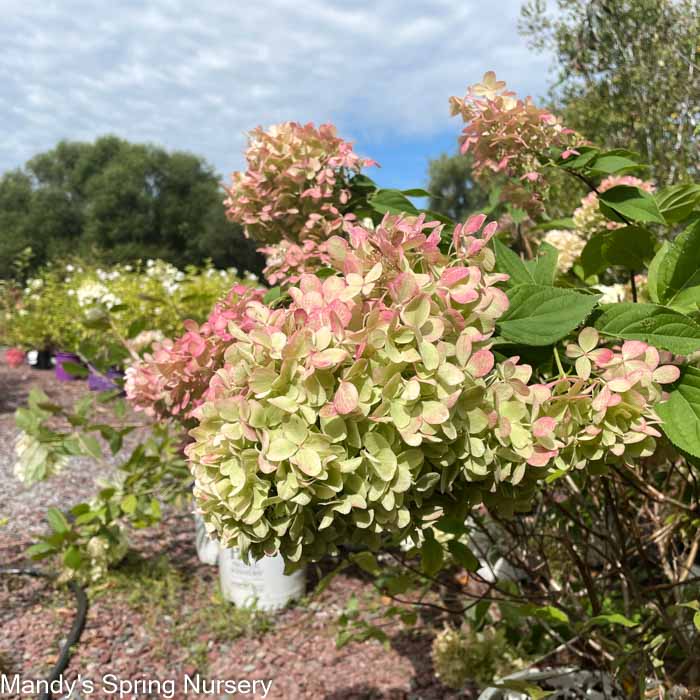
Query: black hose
{"points": [[75, 631]]}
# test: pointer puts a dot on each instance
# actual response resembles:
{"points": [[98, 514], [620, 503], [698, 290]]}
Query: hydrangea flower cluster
{"points": [[174, 379], [295, 185], [334, 418], [508, 135], [588, 218], [286, 262], [351, 414], [91, 293]]}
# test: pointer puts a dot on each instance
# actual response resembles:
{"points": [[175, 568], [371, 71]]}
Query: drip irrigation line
{"points": [[76, 628]]}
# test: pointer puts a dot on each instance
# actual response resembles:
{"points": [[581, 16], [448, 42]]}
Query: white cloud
{"points": [[197, 76]]}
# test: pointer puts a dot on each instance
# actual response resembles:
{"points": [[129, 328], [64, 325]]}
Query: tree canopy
{"points": [[628, 75], [117, 201]]}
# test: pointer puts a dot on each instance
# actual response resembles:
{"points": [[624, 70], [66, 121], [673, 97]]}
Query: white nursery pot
{"points": [[262, 584], [207, 547]]}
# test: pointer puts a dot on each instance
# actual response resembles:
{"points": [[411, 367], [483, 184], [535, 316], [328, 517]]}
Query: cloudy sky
{"points": [[198, 75]]}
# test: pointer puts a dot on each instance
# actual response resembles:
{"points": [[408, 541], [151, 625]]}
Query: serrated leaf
{"points": [[656, 325], [543, 315], [677, 277], [616, 161], [630, 247], [633, 203], [392, 202], [512, 264], [676, 203], [653, 271], [544, 269], [680, 414]]}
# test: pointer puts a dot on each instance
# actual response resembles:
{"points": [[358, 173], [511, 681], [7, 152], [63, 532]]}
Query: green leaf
{"points": [[272, 295], [367, 562], [431, 556], [612, 619], [512, 264], [543, 315], [617, 161], [677, 276], [653, 271], [528, 688], [75, 369], [416, 192], [90, 445], [40, 550], [57, 520], [586, 155], [656, 325], [73, 558], [136, 326], [631, 202], [680, 414], [549, 612], [392, 202], [630, 247], [545, 265], [676, 203], [129, 503], [463, 555]]}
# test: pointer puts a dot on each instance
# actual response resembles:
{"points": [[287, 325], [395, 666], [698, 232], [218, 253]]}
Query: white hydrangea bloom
{"points": [[569, 244], [612, 293]]}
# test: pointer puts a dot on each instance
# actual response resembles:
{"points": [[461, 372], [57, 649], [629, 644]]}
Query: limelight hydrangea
{"points": [[588, 218], [356, 411], [174, 378], [334, 418], [507, 135], [569, 244], [295, 185], [285, 262]]}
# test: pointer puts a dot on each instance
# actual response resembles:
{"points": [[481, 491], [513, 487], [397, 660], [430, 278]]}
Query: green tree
{"points": [[117, 201], [453, 191], [628, 75]]}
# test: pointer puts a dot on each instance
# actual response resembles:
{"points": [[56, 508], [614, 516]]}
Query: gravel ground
{"points": [[172, 625]]}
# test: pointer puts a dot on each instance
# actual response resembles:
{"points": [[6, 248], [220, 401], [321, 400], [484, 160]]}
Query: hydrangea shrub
{"points": [[340, 417]]}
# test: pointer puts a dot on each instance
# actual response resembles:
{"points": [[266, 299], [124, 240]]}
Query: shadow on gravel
{"points": [[13, 392]]}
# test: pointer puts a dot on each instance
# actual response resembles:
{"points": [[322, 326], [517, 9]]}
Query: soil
{"points": [[167, 627]]}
